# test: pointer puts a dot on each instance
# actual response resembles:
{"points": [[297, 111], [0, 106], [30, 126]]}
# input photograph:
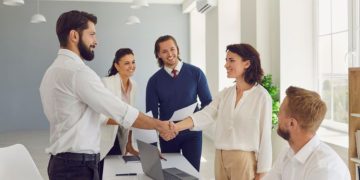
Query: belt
{"points": [[78, 156]]}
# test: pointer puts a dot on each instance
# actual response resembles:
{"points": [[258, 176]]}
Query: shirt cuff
{"points": [[196, 124], [130, 117]]}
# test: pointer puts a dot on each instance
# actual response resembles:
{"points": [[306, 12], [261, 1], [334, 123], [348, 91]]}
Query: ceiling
{"points": [[128, 1]]}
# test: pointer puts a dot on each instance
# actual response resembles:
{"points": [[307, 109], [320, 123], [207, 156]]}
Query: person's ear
{"points": [[247, 64], [74, 36], [293, 122], [117, 66]]}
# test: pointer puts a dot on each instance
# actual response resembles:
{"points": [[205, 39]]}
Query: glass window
{"points": [[332, 43]]}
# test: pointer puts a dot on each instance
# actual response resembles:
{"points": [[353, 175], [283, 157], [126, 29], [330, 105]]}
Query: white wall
{"points": [[212, 50], [260, 28], [197, 40], [28, 49], [229, 33], [296, 44]]}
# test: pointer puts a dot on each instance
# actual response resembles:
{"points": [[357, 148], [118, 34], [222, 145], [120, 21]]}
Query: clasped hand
{"points": [[167, 130]]}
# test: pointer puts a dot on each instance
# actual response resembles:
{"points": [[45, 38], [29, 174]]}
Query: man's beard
{"points": [[85, 52], [285, 134]]}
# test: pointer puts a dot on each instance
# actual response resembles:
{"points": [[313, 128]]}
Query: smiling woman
{"points": [[116, 140], [242, 116]]}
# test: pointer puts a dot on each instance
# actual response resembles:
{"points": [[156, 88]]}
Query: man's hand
{"points": [[166, 129]]}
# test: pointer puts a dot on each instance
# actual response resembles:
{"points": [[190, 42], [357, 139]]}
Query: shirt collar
{"points": [[251, 89], [177, 67], [70, 54], [118, 79], [303, 154]]}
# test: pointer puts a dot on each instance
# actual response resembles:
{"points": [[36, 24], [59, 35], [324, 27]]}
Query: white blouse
{"points": [[245, 126]]}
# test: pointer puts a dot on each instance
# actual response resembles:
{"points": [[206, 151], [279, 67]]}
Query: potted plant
{"points": [[277, 142], [273, 90]]}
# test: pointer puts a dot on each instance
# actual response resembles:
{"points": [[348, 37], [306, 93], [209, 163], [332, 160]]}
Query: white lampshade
{"points": [[37, 18], [139, 3], [13, 2], [132, 20]]}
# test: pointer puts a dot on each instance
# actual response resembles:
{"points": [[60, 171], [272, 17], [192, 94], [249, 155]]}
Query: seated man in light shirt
{"points": [[307, 158]]}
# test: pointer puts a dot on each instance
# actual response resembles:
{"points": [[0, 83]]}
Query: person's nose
{"points": [[95, 41], [132, 66], [226, 65]]}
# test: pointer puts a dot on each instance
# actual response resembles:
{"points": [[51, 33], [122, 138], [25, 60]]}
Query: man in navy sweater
{"points": [[176, 85]]}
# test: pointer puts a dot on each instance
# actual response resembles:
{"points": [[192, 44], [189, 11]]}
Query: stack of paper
{"points": [[183, 113]]}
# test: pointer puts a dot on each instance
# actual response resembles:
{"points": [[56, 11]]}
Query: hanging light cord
{"points": [[38, 6]]}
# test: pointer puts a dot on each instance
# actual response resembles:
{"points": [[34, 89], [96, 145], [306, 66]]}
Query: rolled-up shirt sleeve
{"points": [[91, 91], [205, 117]]}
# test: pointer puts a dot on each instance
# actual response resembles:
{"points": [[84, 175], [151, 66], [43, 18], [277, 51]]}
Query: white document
{"points": [[183, 113], [146, 135]]}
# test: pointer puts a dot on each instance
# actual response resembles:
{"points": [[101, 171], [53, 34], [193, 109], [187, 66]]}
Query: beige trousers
{"points": [[234, 165]]}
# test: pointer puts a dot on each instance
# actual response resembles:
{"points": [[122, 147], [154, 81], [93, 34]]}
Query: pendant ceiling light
{"points": [[13, 2], [136, 4], [38, 18], [132, 20]]}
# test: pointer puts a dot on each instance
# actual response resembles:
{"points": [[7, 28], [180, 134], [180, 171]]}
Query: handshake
{"points": [[167, 130]]}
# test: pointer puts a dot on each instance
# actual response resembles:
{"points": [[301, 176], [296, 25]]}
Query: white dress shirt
{"points": [[73, 97], [246, 127], [314, 161], [177, 68], [109, 132]]}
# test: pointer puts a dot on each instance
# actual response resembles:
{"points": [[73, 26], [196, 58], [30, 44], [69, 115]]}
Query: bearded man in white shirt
{"points": [[73, 97], [307, 158]]}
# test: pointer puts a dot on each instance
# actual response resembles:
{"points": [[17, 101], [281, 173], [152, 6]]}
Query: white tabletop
{"points": [[116, 165]]}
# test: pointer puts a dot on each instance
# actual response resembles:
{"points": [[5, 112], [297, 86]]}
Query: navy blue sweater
{"points": [[165, 94]]}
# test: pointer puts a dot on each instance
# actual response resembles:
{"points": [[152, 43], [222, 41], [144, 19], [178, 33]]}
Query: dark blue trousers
{"points": [[73, 166], [190, 144]]}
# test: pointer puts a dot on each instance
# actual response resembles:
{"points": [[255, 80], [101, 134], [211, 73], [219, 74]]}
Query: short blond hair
{"points": [[306, 107]]}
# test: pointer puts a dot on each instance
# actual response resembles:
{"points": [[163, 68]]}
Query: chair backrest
{"points": [[16, 163]]}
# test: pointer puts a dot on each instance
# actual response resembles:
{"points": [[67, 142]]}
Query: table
{"points": [[116, 165]]}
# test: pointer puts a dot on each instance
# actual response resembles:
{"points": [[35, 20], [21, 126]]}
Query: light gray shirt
{"points": [[73, 97]]}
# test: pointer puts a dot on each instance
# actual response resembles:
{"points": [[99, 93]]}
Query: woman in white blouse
{"points": [[116, 140], [242, 117]]}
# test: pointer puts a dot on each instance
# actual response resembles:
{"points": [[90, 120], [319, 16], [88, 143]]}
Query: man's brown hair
{"points": [[306, 107], [72, 20], [157, 48]]}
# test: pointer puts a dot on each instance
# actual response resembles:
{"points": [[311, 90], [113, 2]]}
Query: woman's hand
{"points": [[259, 176], [130, 149]]}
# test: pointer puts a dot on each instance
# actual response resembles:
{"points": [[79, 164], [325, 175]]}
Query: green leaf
{"points": [[273, 90]]}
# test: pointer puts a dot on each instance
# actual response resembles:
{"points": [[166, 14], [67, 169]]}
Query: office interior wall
{"points": [[26, 50], [296, 44]]}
